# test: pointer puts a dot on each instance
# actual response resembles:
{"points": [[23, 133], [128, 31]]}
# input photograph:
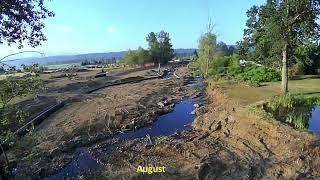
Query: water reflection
{"points": [[314, 122]]}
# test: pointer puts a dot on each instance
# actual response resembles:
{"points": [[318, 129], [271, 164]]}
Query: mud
{"points": [[90, 118], [226, 141]]}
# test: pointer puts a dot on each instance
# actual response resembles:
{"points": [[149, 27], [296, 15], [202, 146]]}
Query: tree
{"points": [[166, 50], [130, 57], [207, 49], [223, 49], [21, 21], [153, 47], [136, 57], [306, 57], [142, 56], [160, 47], [276, 28]]}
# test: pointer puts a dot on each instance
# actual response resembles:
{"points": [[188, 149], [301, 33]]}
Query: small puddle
{"points": [[314, 122]]}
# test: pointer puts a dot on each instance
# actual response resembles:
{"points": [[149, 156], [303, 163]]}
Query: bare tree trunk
{"points": [[284, 83]]}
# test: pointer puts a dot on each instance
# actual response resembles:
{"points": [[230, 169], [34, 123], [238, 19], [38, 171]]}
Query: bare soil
{"points": [[227, 141], [90, 118]]}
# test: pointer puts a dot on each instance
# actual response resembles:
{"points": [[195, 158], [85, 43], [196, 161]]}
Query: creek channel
{"points": [[177, 120]]}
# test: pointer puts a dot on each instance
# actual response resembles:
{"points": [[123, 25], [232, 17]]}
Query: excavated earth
{"points": [[226, 141], [88, 118]]}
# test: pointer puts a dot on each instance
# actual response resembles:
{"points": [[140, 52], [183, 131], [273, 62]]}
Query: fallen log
{"points": [[123, 81], [39, 118]]}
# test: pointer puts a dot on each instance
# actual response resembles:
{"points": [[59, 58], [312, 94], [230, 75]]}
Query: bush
{"points": [[296, 69], [230, 66], [294, 110], [258, 74], [219, 66]]}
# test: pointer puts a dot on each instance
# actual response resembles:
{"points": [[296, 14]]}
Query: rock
{"points": [[54, 152], [196, 105], [200, 111], [163, 103], [215, 126], [196, 95]]}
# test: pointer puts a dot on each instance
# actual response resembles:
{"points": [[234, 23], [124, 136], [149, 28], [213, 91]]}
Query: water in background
{"points": [[314, 122]]}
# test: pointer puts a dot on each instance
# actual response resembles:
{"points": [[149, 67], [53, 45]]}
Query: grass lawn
{"points": [[246, 95]]}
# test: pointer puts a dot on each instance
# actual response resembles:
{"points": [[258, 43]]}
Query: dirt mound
{"points": [[263, 148]]}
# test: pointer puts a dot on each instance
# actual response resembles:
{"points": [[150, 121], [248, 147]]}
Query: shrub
{"points": [[254, 73], [219, 65], [296, 69], [294, 110]]}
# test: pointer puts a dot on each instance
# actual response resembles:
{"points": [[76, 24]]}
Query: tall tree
{"points": [[21, 21], [165, 46], [223, 49], [274, 29], [160, 47], [153, 47], [207, 49]]}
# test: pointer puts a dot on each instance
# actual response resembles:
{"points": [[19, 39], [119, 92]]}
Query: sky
{"points": [[82, 26]]}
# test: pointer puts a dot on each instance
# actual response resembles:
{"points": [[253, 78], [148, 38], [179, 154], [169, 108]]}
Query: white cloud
{"points": [[111, 29]]}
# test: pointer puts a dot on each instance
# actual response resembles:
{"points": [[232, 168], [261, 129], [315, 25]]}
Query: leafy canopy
{"points": [[160, 47], [21, 21], [269, 27]]}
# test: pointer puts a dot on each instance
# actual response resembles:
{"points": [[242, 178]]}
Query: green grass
{"points": [[247, 95], [308, 87]]}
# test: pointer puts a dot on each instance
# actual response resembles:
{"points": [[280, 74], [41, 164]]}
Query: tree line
{"points": [[99, 61]]}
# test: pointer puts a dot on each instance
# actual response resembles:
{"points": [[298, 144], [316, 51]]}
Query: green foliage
{"points": [[99, 62], [21, 21], [13, 87], [35, 68], [207, 51], [24, 151], [306, 58], [275, 29], [258, 74], [219, 65], [136, 57], [160, 47], [294, 110], [11, 118], [229, 66]]}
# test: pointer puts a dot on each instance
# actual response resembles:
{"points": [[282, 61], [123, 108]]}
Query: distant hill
{"points": [[66, 59]]}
